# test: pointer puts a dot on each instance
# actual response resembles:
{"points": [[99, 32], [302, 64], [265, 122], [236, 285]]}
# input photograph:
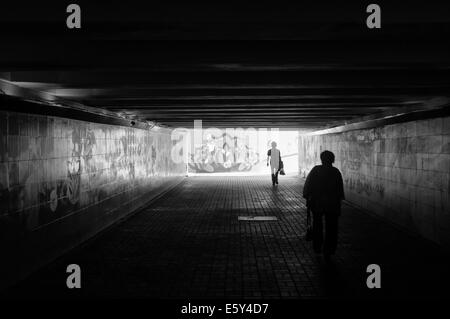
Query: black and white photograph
{"points": [[222, 158]]}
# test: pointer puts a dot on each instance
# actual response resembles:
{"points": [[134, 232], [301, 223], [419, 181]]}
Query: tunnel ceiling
{"points": [[302, 66]]}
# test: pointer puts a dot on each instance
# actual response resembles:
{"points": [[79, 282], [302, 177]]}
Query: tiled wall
{"points": [[400, 172], [63, 180]]}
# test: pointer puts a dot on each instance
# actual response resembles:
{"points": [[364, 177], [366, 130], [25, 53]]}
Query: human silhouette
{"points": [[324, 191], [274, 156]]}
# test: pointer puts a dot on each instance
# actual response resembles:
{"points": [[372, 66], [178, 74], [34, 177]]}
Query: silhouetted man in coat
{"points": [[324, 191]]}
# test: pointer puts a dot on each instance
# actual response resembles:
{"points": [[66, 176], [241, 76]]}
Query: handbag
{"points": [[281, 170], [281, 167], [309, 231]]}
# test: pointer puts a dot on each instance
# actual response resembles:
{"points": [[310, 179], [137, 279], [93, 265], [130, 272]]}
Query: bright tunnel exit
{"points": [[238, 151]]}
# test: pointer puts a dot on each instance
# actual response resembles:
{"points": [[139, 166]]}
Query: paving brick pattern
{"points": [[189, 243]]}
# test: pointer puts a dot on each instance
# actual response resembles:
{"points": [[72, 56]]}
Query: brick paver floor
{"points": [[189, 243]]}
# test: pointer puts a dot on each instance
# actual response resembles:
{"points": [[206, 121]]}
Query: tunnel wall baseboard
{"points": [[62, 181], [400, 172]]}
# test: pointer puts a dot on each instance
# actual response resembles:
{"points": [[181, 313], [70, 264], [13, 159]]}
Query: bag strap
{"points": [[308, 216]]}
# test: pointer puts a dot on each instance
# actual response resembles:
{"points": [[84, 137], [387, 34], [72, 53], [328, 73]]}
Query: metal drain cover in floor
{"points": [[257, 218]]}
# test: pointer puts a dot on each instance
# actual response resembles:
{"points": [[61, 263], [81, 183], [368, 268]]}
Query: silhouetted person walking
{"points": [[275, 158], [324, 191]]}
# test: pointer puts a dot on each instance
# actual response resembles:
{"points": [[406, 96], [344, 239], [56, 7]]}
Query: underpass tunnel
{"points": [[101, 124]]}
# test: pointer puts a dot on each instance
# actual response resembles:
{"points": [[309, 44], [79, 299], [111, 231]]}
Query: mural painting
{"points": [[232, 153]]}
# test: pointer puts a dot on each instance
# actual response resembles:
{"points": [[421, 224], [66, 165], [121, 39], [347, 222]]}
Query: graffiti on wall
{"points": [[224, 154], [363, 186], [228, 153], [77, 164], [355, 155]]}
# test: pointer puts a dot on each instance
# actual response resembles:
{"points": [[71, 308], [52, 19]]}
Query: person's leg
{"points": [[273, 179], [331, 233], [276, 177], [317, 232]]}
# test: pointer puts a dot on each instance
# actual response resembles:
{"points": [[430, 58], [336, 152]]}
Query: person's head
{"points": [[327, 157], [274, 144]]}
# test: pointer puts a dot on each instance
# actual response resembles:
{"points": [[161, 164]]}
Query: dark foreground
{"points": [[190, 244]]}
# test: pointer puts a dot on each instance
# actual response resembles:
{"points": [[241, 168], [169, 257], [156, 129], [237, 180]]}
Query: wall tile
{"points": [[13, 174], [24, 125], [24, 148], [42, 126], [415, 169], [13, 144], [411, 129], [422, 128], [13, 124], [3, 176], [408, 160], [33, 127], [435, 126], [438, 162], [411, 145], [3, 124], [433, 144], [16, 196], [24, 172], [446, 125], [3, 148], [446, 144]]}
